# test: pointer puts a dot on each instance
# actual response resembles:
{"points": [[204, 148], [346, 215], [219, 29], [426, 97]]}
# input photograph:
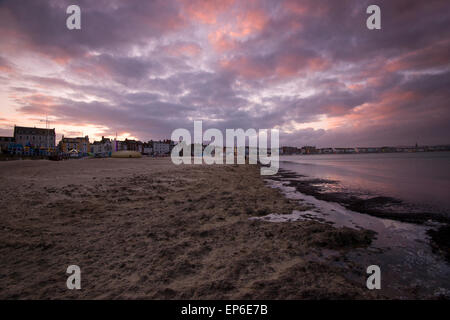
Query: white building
{"points": [[161, 147], [118, 145], [147, 149]]}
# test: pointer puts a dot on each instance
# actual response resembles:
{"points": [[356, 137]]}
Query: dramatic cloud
{"points": [[310, 68]]}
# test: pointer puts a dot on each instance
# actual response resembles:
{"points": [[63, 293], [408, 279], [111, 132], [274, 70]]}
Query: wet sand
{"points": [[147, 229]]}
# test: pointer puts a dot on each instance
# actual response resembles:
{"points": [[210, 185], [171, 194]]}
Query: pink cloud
{"points": [[281, 66], [183, 49], [206, 11]]}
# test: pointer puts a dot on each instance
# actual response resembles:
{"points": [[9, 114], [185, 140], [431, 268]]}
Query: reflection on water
{"points": [[420, 178]]}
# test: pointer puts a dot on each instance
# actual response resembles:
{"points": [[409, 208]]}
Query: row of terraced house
{"points": [[105, 147], [32, 141]]}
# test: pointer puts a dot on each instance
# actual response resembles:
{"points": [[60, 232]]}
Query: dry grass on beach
{"points": [[145, 228]]}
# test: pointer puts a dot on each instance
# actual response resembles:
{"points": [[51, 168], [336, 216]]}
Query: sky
{"points": [[311, 69]]}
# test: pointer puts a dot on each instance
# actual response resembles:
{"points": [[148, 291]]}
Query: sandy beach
{"points": [[147, 229]]}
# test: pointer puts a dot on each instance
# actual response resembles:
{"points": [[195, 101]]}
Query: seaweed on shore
{"points": [[440, 241], [343, 238]]}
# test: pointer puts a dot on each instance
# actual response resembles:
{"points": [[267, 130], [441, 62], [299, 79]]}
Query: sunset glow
{"points": [[311, 68]]}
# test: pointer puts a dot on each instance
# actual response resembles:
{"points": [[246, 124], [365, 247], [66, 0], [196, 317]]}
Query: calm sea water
{"points": [[416, 178]]}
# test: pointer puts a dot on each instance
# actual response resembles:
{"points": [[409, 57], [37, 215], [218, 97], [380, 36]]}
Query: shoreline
{"points": [[146, 229], [425, 240], [377, 206]]}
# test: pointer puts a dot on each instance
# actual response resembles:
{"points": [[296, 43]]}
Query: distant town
{"points": [[314, 150], [40, 142]]}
